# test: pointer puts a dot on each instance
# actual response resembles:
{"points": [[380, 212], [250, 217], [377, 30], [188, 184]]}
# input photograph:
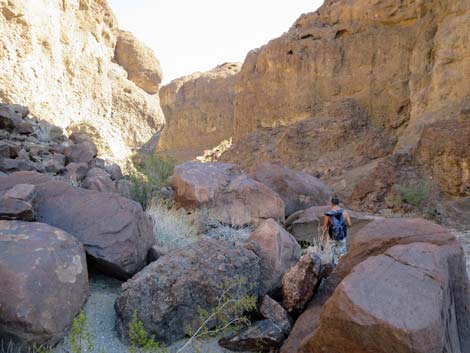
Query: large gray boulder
{"points": [[43, 282], [167, 293], [116, 232]]}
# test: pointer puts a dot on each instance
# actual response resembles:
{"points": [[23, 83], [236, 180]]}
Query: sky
{"points": [[197, 35]]}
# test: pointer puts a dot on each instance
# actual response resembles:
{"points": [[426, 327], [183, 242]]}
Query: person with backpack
{"points": [[336, 221]]}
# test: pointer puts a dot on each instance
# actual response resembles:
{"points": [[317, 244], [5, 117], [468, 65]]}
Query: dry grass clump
{"points": [[173, 227]]}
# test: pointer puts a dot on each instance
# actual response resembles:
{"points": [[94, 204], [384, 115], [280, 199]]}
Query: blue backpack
{"points": [[337, 227]]}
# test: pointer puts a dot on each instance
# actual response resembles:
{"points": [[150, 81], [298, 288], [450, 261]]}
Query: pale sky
{"points": [[197, 35]]}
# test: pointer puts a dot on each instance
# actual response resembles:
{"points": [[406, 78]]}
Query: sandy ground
{"points": [[101, 318]]}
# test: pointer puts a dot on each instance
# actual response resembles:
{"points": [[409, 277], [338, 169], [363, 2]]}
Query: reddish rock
{"points": [[117, 234], [17, 203], [262, 336], [401, 301], [230, 196], [83, 151], [300, 282], [76, 172], [43, 282], [372, 240], [298, 190], [8, 118], [97, 179], [376, 237], [274, 311], [278, 251]]}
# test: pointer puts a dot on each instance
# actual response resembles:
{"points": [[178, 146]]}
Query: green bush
{"points": [[228, 315], [147, 179], [414, 195], [140, 341]]}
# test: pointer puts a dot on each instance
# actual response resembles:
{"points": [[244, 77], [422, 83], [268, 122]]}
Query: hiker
{"points": [[336, 221]]}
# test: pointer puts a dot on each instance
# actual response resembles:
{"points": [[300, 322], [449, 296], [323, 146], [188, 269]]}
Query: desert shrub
{"points": [[140, 341], [414, 195], [80, 338], [173, 227], [150, 177], [228, 315]]}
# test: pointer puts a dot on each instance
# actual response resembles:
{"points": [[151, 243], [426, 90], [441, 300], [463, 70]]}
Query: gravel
{"points": [[101, 318]]}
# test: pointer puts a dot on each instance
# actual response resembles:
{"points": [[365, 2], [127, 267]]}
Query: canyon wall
{"points": [[199, 111], [60, 58], [365, 94]]}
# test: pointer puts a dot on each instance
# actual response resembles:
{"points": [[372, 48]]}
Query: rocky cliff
{"points": [[365, 94], [60, 59], [199, 111]]}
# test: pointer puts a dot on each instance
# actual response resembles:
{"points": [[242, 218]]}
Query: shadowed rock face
{"points": [[43, 282], [198, 111], [57, 60]]}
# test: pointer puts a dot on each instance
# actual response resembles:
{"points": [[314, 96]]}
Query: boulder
{"points": [[306, 225], [298, 190], [83, 151], [117, 234], [17, 203], [124, 188], [262, 336], [166, 294], [97, 179], [376, 237], [400, 301], [229, 195], [142, 67], [114, 171], [25, 128], [18, 164], [272, 310], [76, 172], [54, 164], [8, 118], [278, 252], [300, 282], [43, 283], [371, 242]]}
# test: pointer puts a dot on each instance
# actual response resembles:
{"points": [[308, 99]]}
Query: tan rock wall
{"points": [[199, 111], [56, 58]]}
